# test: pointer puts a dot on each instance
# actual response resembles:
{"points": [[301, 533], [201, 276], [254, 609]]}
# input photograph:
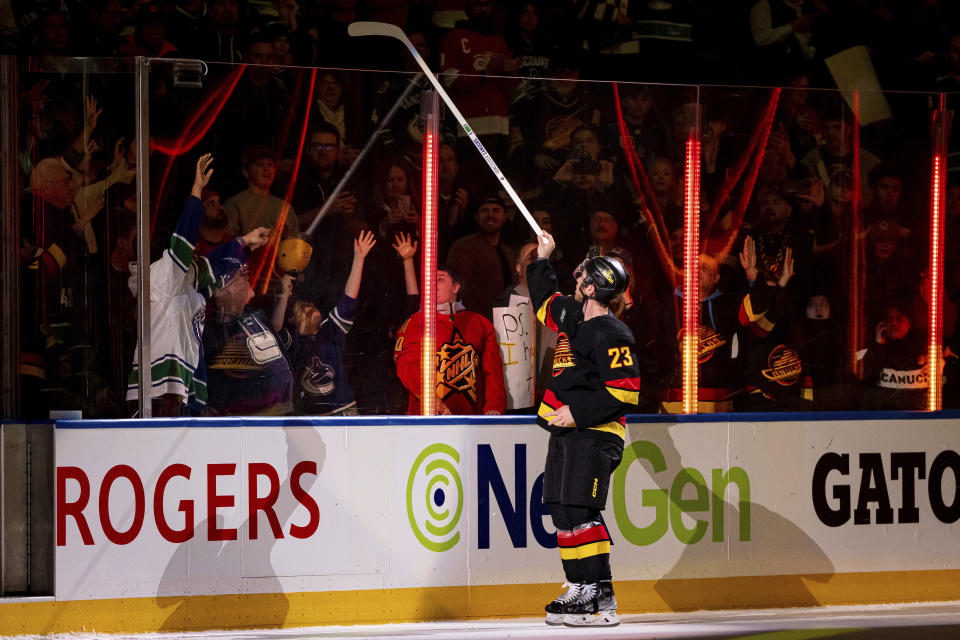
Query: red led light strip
{"points": [[935, 272], [691, 269], [428, 271]]}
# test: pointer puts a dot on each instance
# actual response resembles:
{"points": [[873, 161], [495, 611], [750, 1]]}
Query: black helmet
{"points": [[608, 276]]}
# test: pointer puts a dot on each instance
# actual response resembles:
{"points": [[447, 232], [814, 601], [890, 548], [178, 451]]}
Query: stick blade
{"points": [[375, 29]]}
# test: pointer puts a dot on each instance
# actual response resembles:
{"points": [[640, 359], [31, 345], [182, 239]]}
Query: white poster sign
{"points": [[515, 333]]}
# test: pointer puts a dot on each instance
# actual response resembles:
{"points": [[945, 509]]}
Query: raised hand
{"points": [[93, 116], [256, 238], [787, 268], [203, 173], [748, 258], [363, 244], [565, 173], [347, 203], [404, 247], [286, 285], [545, 245], [118, 154], [606, 173]]}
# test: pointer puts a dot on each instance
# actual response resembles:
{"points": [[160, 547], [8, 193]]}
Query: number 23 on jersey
{"points": [[620, 357]]}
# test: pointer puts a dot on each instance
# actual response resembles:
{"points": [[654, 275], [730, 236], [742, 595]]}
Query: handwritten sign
{"points": [[514, 326]]}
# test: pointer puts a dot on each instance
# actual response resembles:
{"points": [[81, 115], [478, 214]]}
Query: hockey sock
{"points": [[571, 563], [592, 544], [583, 542]]}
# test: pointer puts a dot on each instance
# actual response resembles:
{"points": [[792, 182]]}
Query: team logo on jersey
{"points": [[708, 342], [563, 356], [317, 379], [784, 365], [457, 368]]}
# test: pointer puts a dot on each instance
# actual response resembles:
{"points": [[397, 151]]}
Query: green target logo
{"points": [[434, 475]]}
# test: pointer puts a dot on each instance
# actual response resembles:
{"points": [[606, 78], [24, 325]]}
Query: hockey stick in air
{"points": [[393, 31]]}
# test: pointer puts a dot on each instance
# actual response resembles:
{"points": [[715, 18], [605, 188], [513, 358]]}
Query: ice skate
{"points": [[555, 609], [595, 607]]}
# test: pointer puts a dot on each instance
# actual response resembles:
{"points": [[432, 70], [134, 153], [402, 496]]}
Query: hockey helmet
{"points": [[293, 255], [608, 276]]}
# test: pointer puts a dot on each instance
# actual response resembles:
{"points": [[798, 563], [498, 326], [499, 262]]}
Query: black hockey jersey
{"points": [[594, 372]]}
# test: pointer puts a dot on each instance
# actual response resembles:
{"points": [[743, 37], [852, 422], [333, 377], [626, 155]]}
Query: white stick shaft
{"points": [[374, 28]]}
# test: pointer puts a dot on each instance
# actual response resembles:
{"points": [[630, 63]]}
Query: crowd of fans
{"points": [[814, 208]]}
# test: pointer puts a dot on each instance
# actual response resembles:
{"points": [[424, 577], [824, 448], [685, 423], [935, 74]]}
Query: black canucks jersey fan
{"points": [[595, 381]]}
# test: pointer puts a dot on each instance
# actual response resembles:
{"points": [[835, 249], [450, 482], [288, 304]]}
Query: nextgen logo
{"points": [[670, 502]]}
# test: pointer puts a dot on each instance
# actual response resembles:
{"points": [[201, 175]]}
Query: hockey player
{"points": [[595, 381]]}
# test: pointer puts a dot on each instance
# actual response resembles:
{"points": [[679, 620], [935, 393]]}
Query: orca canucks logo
{"points": [[708, 342], [457, 368], [563, 356], [784, 366], [318, 378]]}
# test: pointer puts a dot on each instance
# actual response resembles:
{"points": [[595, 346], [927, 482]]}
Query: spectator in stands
{"points": [[470, 55], [775, 230], [891, 273], [896, 365], [395, 205], [775, 376], [98, 30], [329, 102], [665, 182], [51, 248], [783, 32], [149, 37], [469, 367], [837, 149], [53, 34], [582, 184], [798, 118], [543, 123], [315, 345], [950, 79], [180, 284], [247, 373], [337, 49], [320, 176], [218, 37], [606, 33], [186, 23], [531, 49], [213, 228], [642, 121], [453, 201], [483, 259], [720, 373], [832, 226], [332, 240], [821, 349], [255, 206], [887, 184]]}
